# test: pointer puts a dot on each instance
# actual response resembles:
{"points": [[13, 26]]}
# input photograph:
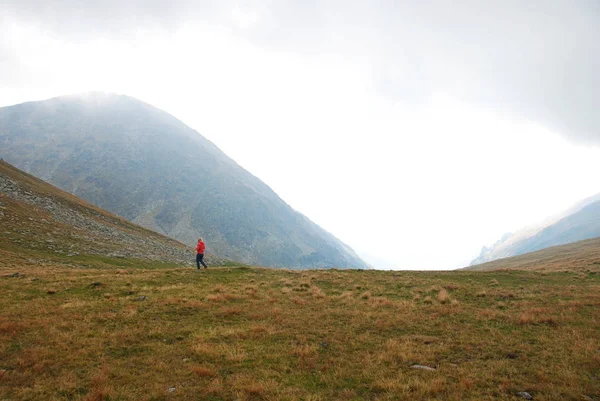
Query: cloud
{"points": [[82, 19], [535, 60]]}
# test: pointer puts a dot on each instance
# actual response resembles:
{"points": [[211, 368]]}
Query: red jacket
{"points": [[200, 247]]}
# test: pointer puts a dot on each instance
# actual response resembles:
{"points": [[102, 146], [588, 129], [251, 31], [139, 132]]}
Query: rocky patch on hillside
{"points": [[51, 224]]}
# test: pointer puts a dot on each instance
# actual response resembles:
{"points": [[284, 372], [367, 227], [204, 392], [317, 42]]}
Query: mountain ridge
{"points": [[579, 222], [575, 256], [145, 165]]}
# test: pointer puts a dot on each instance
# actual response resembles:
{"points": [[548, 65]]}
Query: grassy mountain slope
{"points": [[577, 256], [42, 222], [146, 166], [580, 222]]}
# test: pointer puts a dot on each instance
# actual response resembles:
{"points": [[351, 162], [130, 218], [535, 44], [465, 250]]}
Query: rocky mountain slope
{"points": [[577, 256], [37, 218], [143, 164], [580, 222]]}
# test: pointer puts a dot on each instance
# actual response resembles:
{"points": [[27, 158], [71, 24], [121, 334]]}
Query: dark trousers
{"points": [[200, 259]]}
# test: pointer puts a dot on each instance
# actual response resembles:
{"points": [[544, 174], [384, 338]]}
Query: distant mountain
{"points": [[577, 256], [580, 222], [39, 219], [148, 167]]}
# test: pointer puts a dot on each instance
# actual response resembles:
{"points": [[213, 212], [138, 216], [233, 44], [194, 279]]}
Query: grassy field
{"points": [[119, 329]]}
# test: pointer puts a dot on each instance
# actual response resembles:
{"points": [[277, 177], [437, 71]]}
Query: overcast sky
{"points": [[415, 131]]}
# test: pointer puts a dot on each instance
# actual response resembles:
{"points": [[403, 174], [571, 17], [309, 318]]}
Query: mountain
{"points": [[143, 164], [37, 218], [576, 256], [580, 222]]}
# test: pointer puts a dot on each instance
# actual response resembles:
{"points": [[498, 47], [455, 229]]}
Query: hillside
{"points": [[577, 256], [580, 222], [41, 222], [141, 163]]}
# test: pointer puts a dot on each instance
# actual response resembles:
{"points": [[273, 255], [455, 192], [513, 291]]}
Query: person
{"points": [[200, 256]]}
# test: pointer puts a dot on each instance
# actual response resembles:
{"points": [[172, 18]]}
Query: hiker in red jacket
{"points": [[200, 256]]}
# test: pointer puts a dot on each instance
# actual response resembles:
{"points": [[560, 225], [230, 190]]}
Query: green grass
{"points": [[245, 333]]}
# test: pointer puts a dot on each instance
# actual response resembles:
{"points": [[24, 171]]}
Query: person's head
{"points": [[199, 239]]}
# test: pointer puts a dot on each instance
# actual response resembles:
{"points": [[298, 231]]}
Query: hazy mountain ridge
{"points": [[576, 256], [145, 165], [580, 222]]}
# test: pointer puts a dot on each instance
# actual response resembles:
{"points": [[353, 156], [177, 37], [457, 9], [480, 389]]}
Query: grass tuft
{"points": [[443, 296], [203, 371]]}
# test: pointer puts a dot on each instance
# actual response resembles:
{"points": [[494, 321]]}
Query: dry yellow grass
{"points": [[443, 297], [235, 334]]}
